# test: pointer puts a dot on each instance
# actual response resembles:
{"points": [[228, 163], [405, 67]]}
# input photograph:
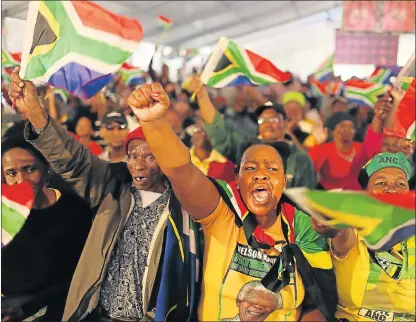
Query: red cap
{"points": [[137, 134]]}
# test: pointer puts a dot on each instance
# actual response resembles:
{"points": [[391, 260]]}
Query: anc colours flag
{"points": [[230, 65], [131, 74], [16, 203], [76, 45], [380, 76], [382, 220], [325, 70], [362, 92]]}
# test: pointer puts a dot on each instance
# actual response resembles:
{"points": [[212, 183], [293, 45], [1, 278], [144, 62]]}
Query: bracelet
{"points": [[39, 132]]}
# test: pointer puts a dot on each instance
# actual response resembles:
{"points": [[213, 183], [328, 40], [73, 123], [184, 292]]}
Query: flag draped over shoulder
{"points": [[362, 92], [76, 45], [382, 220], [16, 204], [325, 70], [131, 74], [230, 65]]}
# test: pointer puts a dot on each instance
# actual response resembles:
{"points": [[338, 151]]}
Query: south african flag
{"points": [[230, 65], [16, 204], [382, 220], [131, 74], [362, 92]]}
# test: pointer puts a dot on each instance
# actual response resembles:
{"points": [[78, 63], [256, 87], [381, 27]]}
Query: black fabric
{"points": [[16, 128], [46, 251], [300, 135], [43, 33], [320, 286]]}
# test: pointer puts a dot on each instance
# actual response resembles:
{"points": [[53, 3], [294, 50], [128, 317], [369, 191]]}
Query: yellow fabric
{"points": [[367, 293], [294, 96], [310, 141], [203, 165], [226, 249]]}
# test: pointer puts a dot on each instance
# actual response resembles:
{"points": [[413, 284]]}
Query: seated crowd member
{"points": [[272, 127], [38, 263], [293, 254], [114, 131], [338, 162], [134, 260], [206, 158], [375, 285], [84, 132]]}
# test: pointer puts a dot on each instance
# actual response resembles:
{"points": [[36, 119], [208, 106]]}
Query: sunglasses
{"points": [[110, 127], [260, 121]]}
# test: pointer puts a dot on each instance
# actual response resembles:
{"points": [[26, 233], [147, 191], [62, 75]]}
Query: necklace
{"points": [[348, 157]]}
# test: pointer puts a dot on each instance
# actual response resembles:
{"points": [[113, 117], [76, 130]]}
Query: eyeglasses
{"points": [[110, 127], [260, 121]]}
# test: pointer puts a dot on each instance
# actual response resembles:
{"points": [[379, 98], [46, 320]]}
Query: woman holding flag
{"points": [[40, 255], [251, 232], [375, 285]]}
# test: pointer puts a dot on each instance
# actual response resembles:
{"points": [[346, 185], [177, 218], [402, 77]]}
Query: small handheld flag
{"points": [[325, 70], [362, 92], [76, 45], [382, 220], [131, 74], [230, 65], [16, 204]]}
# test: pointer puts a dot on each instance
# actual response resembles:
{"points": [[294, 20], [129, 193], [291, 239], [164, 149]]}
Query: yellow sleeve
{"points": [[221, 215]]}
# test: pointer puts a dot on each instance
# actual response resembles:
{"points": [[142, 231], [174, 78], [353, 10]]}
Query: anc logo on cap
{"points": [[388, 160]]}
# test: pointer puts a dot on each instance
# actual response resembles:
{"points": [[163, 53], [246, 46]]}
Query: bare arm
{"points": [[194, 190], [313, 316]]}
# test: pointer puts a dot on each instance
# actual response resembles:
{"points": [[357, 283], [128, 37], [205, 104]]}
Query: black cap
{"points": [[277, 107], [114, 117]]}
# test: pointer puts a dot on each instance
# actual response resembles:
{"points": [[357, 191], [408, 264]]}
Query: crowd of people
{"points": [[154, 204]]}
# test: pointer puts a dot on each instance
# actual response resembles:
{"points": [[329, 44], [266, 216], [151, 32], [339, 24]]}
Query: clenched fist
{"points": [[149, 102], [25, 97]]}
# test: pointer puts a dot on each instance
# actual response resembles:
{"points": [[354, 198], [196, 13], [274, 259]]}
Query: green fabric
{"points": [[70, 39], [229, 142], [306, 238], [389, 160], [11, 220]]}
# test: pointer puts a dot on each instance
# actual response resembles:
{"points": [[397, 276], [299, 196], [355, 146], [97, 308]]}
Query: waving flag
{"points": [[382, 220], [325, 70], [230, 65], [363, 93], [76, 45], [10, 60], [131, 74], [165, 22], [380, 76], [403, 90], [16, 204]]}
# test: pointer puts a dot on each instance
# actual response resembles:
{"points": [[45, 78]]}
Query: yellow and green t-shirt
{"points": [[377, 286], [231, 288]]}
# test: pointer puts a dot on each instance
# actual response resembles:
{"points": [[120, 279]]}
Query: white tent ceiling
{"points": [[201, 23]]}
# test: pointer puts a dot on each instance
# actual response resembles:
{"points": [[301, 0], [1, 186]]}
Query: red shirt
{"points": [[94, 147], [332, 166]]}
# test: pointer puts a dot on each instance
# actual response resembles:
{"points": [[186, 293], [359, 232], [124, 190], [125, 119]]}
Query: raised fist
{"points": [[149, 102]]}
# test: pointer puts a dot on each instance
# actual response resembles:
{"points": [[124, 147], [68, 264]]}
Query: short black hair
{"points": [[281, 147], [19, 141]]}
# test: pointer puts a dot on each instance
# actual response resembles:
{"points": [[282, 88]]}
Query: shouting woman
{"points": [[251, 233]]}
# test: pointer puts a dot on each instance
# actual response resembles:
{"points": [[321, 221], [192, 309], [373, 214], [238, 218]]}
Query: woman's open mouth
{"points": [[261, 194]]}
